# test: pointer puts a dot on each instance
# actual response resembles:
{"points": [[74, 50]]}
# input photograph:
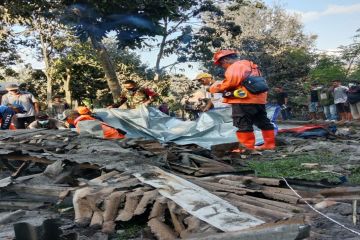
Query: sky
{"points": [[334, 22]]}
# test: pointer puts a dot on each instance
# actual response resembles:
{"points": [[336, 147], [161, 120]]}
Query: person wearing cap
{"points": [[215, 100], [248, 108], [26, 99], [7, 113], [107, 131], [83, 110], [44, 121], [68, 117]]}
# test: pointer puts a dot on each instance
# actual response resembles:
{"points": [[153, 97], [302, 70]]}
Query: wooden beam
{"points": [[22, 168], [27, 158], [36, 189], [43, 161], [15, 204], [281, 197], [340, 191], [257, 210], [283, 232], [272, 205]]}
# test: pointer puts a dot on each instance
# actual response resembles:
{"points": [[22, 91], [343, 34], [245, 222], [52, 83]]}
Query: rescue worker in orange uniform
{"points": [[108, 131], [248, 110], [82, 110]]}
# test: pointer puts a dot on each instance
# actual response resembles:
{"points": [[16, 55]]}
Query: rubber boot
{"points": [[247, 140], [269, 140]]}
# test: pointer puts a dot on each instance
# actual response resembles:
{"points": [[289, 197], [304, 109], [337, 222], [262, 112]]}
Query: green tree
{"points": [[179, 34], [41, 30], [79, 74], [351, 54], [270, 37], [327, 69], [355, 74], [130, 20], [8, 55]]}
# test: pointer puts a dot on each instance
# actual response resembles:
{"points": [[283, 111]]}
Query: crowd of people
{"points": [[20, 109], [330, 103], [243, 89]]}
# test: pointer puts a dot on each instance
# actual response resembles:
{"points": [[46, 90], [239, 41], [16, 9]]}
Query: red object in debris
{"points": [[12, 127], [301, 129]]}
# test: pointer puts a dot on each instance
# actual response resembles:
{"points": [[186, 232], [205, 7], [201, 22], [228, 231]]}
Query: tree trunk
{"points": [[45, 52], [67, 87], [162, 46], [108, 67]]}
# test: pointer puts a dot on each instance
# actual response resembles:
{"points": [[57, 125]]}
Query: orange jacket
{"points": [[234, 75], [108, 131]]}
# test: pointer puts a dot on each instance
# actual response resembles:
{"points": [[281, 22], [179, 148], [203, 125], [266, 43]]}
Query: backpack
{"points": [[255, 84]]}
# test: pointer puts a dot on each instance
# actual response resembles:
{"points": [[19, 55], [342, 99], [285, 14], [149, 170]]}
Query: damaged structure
{"points": [[61, 185]]}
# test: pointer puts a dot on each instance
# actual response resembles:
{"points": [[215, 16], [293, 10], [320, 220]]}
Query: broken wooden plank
{"points": [[283, 232], [21, 169], [158, 209], [203, 161], [340, 191], [182, 169], [111, 205], [232, 183], [104, 177], [281, 197], [97, 220], [85, 202], [27, 158], [193, 224], [245, 179], [257, 210], [161, 230], [131, 202], [269, 203], [38, 189], [148, 198], [339, 198], [176, 222], [19, 204], [210, 186]]}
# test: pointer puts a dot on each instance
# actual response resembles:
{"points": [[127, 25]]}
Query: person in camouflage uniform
{"points": [[134, 96]]}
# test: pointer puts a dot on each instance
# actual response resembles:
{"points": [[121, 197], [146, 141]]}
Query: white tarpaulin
{"points": [[198, 201], [213, 127]]}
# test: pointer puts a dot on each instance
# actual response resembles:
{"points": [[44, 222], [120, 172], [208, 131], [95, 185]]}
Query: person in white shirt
{"points": [[341, 101], [215, 100], [25, 99]]}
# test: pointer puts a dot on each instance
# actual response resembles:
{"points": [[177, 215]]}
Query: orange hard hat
{"points": [[222, 53], [83, 110]]}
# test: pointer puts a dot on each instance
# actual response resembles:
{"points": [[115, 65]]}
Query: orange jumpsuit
{"points": [[248, 111], [108, 131], [234, 75]]}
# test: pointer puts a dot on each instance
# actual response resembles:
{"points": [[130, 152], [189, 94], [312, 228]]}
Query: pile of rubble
{"points": [[61, 185]]}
